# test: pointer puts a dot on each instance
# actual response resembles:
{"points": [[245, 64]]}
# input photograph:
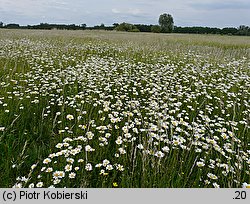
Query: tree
{"points": [[156, 29], [102, 26], [229, 31], [12, 25], [1, 24], [244, 30], [166, 22], [83, 26], [143, 27], [115, 24], [127, 27]]}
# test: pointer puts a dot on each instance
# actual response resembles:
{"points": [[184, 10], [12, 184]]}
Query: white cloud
{"points": [[114, 10], [132, 11]]}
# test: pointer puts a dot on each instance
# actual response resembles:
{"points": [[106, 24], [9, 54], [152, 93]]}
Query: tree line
{"points": [[44, 26], [165, 25]]}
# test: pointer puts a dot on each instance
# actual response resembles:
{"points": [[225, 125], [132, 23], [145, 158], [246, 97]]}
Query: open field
{"points": [[113, 109]]}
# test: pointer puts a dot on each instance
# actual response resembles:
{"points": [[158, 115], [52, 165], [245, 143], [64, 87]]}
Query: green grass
{"points": [[183, 98]]}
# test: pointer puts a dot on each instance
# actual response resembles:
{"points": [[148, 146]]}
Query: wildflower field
{"points": [[113, 109]]}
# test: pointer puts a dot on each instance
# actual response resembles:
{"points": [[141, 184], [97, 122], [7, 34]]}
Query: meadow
{"points": [[113, 109]]}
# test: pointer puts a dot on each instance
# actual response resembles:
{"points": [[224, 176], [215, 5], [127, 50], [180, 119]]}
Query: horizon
{"points": [[191, 13], [92, 26]]}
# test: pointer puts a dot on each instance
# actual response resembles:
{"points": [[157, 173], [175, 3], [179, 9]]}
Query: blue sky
{"points": [[213, 13]]}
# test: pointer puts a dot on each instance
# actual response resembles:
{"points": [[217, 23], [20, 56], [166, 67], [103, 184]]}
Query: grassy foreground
{"points": [[107, 109]]}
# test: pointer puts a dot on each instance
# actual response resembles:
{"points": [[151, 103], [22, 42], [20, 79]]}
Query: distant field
{"points": [[114, 109]]}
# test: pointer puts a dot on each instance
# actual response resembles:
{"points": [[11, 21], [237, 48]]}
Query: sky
{"points": [[212, 13]]}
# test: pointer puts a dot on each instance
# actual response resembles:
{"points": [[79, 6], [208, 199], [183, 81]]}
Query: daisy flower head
{"points": [[39, 185], [88, 167], [159, 154], [245, 185], [70, 117], [200, 164], [68, 167], [212, 176], [72, 175], [47, 160]]}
